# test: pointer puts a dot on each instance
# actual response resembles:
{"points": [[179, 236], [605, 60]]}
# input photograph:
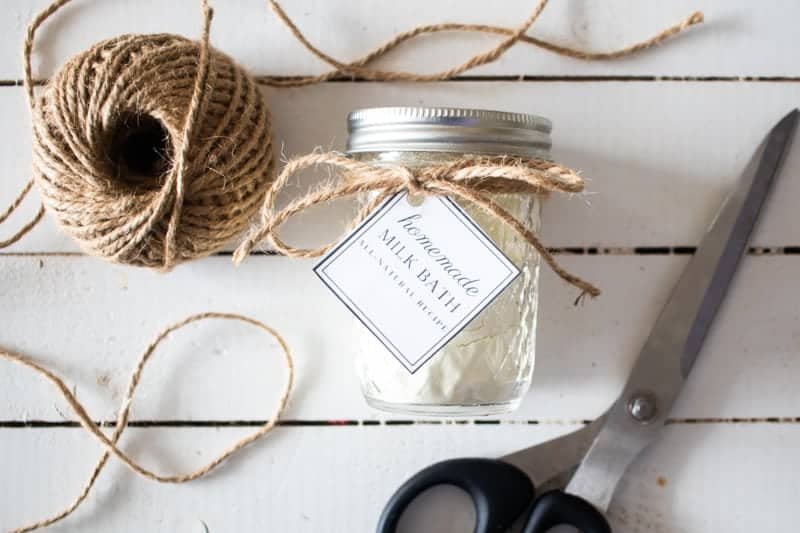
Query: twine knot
{"points": [[468, 178], [413, 183]]}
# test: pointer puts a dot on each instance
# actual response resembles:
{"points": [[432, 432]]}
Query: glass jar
{"points": [[486, 369]]}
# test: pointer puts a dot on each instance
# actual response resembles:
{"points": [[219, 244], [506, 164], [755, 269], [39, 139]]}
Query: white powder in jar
{"points": [[487, 364]]}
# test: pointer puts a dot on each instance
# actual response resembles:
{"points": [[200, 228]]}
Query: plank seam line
{"points": [[564, 250], [12, 424], [265, 80]]}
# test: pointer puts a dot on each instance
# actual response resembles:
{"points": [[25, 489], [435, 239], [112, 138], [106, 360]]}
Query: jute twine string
{"points": [[110, 443], [218, 147], [218, 169], [466, 178], [358, 68], [219, 142]]}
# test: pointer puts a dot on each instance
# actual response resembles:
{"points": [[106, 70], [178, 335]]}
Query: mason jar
{"points": [[486, 369]]}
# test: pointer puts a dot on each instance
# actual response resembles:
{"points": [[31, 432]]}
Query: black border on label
{"points": [[371, 220]]}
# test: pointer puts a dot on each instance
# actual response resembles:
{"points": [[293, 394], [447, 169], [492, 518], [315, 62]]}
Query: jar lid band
{"points": [[444, 129]]}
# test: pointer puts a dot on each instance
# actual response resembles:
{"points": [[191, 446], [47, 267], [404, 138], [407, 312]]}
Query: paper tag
{"points": [[415, 276]]}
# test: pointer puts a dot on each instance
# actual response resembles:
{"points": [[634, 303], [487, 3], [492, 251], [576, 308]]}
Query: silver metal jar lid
{"points": [[446, 129]]}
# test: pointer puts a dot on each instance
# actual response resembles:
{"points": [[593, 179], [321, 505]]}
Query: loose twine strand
{"points": [[357, 68], [467, 179], [28, 83], [110, 443], [196, 104]]}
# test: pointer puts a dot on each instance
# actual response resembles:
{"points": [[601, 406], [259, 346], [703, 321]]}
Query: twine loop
{"points": [[413, 184], [469, 178], [110, 443]]}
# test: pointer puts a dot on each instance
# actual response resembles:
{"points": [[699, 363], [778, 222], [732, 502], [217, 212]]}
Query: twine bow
{"points": [[467, 178]]}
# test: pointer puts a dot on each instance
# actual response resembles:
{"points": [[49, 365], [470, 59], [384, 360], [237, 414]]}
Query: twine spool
{"points": [[115, 149]]}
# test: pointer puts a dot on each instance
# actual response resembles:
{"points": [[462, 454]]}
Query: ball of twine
{"points": [[152, 149]]}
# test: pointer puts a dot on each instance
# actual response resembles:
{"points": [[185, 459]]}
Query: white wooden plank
{"points": [[659, 157], [738, 39], [299, 479], [698, 478], [721, 477], [88, 321]]}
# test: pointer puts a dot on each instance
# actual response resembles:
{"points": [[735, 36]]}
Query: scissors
{"points": [[577, 474]]}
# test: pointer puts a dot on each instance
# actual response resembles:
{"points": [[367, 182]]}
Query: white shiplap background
{"points": [[662, 137]]}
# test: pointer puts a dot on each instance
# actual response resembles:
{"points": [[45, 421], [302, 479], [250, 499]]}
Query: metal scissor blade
{"points": [[672, 347], [696, 298], [545, 461]]}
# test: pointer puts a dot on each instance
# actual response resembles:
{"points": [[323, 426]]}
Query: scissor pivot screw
{"points": [[642, 407]]}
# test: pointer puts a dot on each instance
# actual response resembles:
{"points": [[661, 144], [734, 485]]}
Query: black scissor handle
{"points": [[557, 508], [499, 491]]}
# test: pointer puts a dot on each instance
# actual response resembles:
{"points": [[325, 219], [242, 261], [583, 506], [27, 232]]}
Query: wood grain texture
{"points": [[336, 480]]}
